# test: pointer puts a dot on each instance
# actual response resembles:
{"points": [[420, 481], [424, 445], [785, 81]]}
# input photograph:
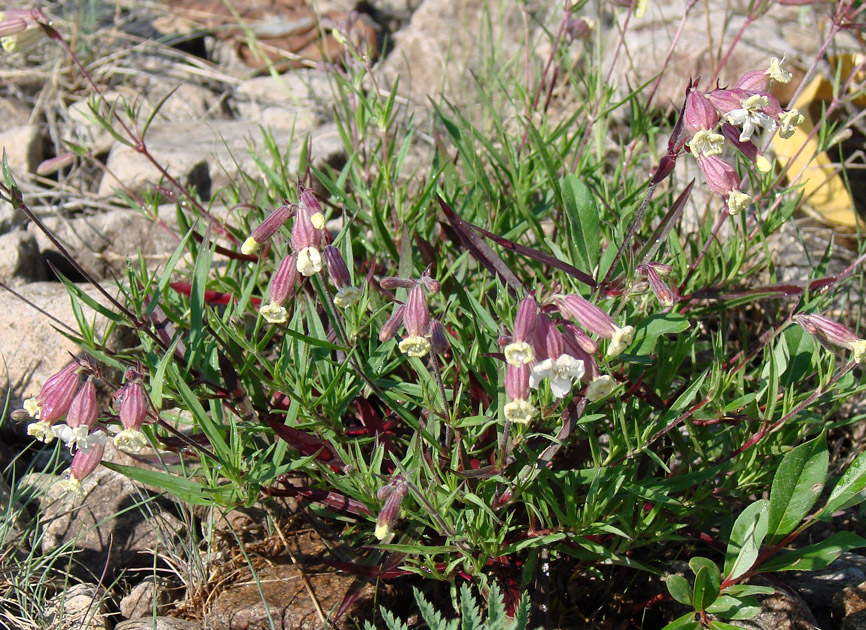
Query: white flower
{"points": [[79, 437], [519, 352], [131, 440], [250, 246], [763, 164], [33, 407], [622, 338], [309, 261], [274, 314], [318, 220], [789, 121], [562, 373], [520, 411], [707, 143], [415, 346], [70, 484], [41, 431], [600, 388], [859, 349], [347, 296], [777, 73], [737, 202], [751, 116]]}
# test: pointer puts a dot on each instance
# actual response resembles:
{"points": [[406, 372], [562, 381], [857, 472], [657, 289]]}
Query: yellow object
{"points": [[824, 191]]}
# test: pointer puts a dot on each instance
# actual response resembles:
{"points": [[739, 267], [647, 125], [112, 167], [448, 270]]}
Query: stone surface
{"points": [[854, 621], [13, 113], [187, 102], [437, 51], [19, 259], [820, 587], [103, 242], [23, 147], [212, 154], [240, 606], [153, 595], [80, 607], [115, 523], [158, 623], [710, 26], [31, 350], [303, 93], [10, 218], [781, 611]]}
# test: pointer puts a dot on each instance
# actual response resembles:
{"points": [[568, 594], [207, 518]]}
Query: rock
{"points": [[158, 623], [31, 350], [437, 51], [284, 596], [854, 621], [153, 595], [781, 611], [20, 262], [15, 520], [114, 523], [294, 93], [820, 587], [779, 32], [80, 607], [23, 146], [211, 155], [10, 218], [189, 101], [103, 242], [13, 114]]}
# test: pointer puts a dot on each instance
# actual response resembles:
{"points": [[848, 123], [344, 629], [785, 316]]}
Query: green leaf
{"points": [[686, 622], [744, 590], [651, 328], [708, 579], [705, 593], [721, 625], [184, 489], [582, 214], [848, 490], [815, 557], [748, 533], [680, 589], [797, 485], [735, 608]]}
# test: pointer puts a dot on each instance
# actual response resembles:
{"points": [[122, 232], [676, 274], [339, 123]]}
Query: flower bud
{"points": [[832, 333], [754, 81], [662, 291], [311, 206], [699, 113], [588, 315], [391, 510], [133, 405], [52, 165], [524, 320], [305, 234], [266, 229], [438, 337], [721, 177], [84, 411], [390, 328], [338, 272], [284, 280], [83, 464], [53, 401], [517, 382], [549, 342], [580, 338], [12, 26], [390, 283], [417, 315]]}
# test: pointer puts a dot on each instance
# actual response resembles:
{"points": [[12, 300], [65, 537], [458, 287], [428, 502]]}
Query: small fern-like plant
{"points": [[470, 617]]}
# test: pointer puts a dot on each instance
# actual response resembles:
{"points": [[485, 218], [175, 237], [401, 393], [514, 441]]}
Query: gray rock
{"points": [[31, 350], [781, 611], [103, 242], [20, 262], [211, 154], [295, 92], [819, 587], [115, 524], [437, 51], [23, 146], [10, 218], [13, 114], [854, 621], [145, 598], [80, 607], [158, 623]]}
